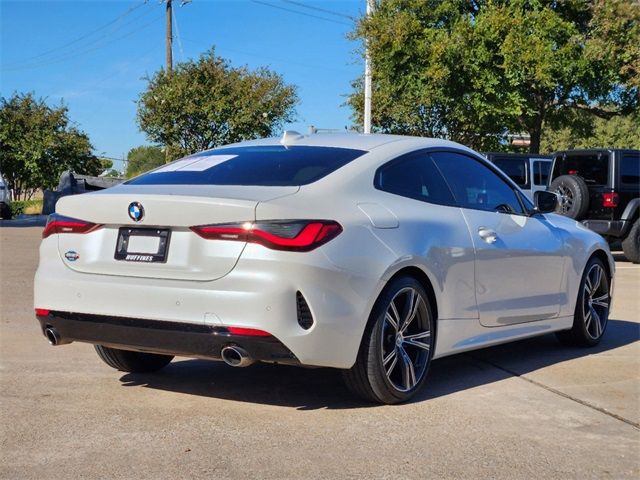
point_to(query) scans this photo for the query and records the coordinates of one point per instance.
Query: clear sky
(94, 55)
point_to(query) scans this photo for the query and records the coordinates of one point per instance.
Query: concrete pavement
(533, 409)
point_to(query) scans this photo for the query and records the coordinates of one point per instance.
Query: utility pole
(169, 37)
(367, 77)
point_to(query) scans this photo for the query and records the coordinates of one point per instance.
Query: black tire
(134, 362)
(574, 196)
(5, 212)
(631, 244)
(587, 329)
(413, 345)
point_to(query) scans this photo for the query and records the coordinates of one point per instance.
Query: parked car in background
(601, 188)
(529, 171)
(5, 199)
(373, 254)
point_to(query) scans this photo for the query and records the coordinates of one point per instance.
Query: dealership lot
(529, 409)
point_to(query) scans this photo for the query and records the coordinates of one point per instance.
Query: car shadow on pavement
(315, 388)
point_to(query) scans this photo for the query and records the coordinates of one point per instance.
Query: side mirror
(545, 202)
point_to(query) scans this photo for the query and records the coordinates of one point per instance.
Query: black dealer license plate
(147, 245)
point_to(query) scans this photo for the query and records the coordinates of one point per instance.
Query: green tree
(143, 158)
(206, 103)
(593, 132)
(38, 143)
(475, 71)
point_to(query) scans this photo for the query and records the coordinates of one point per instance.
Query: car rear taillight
(292, 235)
(610, 200)
(60, 224)
(42, 312)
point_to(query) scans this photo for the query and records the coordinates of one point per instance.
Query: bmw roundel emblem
(136, 211)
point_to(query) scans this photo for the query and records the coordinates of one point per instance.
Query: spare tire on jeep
(574, 196)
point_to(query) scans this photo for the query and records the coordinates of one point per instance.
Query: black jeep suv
(601, 188)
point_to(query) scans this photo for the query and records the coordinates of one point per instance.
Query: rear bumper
(169, 338)
(607, 228)
(260, 293)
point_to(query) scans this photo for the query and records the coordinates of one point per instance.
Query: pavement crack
(557, 392)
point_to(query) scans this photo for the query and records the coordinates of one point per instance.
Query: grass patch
(29, 207)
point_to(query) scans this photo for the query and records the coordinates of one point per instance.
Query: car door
(519, 257)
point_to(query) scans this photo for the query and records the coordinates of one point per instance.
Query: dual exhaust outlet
(231, 354)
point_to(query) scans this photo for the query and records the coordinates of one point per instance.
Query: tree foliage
(206, 103)
(589, 131)
(38, 143)
(475, 71)
(144, 158)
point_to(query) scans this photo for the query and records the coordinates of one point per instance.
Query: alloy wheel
(406, 339)
(566, 198)
(595, 301)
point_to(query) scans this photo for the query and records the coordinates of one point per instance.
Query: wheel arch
(602, 255)
(423, 279)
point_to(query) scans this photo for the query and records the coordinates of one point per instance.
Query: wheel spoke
(411, 310)
(587, 319)
(587, 285)
(597, 279)
(394, 316)
(391, 321)
(415, 340)
(596, 322)
(408, 372)
(390, 361)
(601, 301)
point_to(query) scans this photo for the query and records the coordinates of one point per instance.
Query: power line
(301, 13)
(319, 9)
(73, 55)
(86, 35)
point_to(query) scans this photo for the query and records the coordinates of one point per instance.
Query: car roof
(353, 140)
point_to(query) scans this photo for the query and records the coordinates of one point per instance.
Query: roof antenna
(290, 136)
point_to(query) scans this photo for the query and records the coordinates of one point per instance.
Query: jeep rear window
(515, 168)
(271, 165)
(592, 167)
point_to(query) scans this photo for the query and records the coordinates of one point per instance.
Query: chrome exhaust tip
(236, 356)
(53, 336)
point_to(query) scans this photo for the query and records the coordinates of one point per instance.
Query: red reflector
(573, 172)
(42, 312)
(292, 235)
(249, 332)
(610, 200)
(60, 224)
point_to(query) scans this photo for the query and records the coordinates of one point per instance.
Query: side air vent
(305, 319)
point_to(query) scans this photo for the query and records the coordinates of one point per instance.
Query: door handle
(487, 235)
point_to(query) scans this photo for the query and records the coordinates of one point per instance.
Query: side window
(541, 172)
(515, 168)
(630, 169)
(414, 176)
(475, 185)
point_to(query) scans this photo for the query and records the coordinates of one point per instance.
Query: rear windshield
(593, 167)
(515, 168)
(272, 165)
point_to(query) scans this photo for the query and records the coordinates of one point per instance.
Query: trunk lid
(166, 207)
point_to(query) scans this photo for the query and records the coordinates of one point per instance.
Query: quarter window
(414, 176)
(475, 185)
(541, 172)
(630, 169)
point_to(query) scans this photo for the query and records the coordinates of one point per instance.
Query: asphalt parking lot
(532, 409)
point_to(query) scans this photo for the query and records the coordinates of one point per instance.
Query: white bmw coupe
(374, 254)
